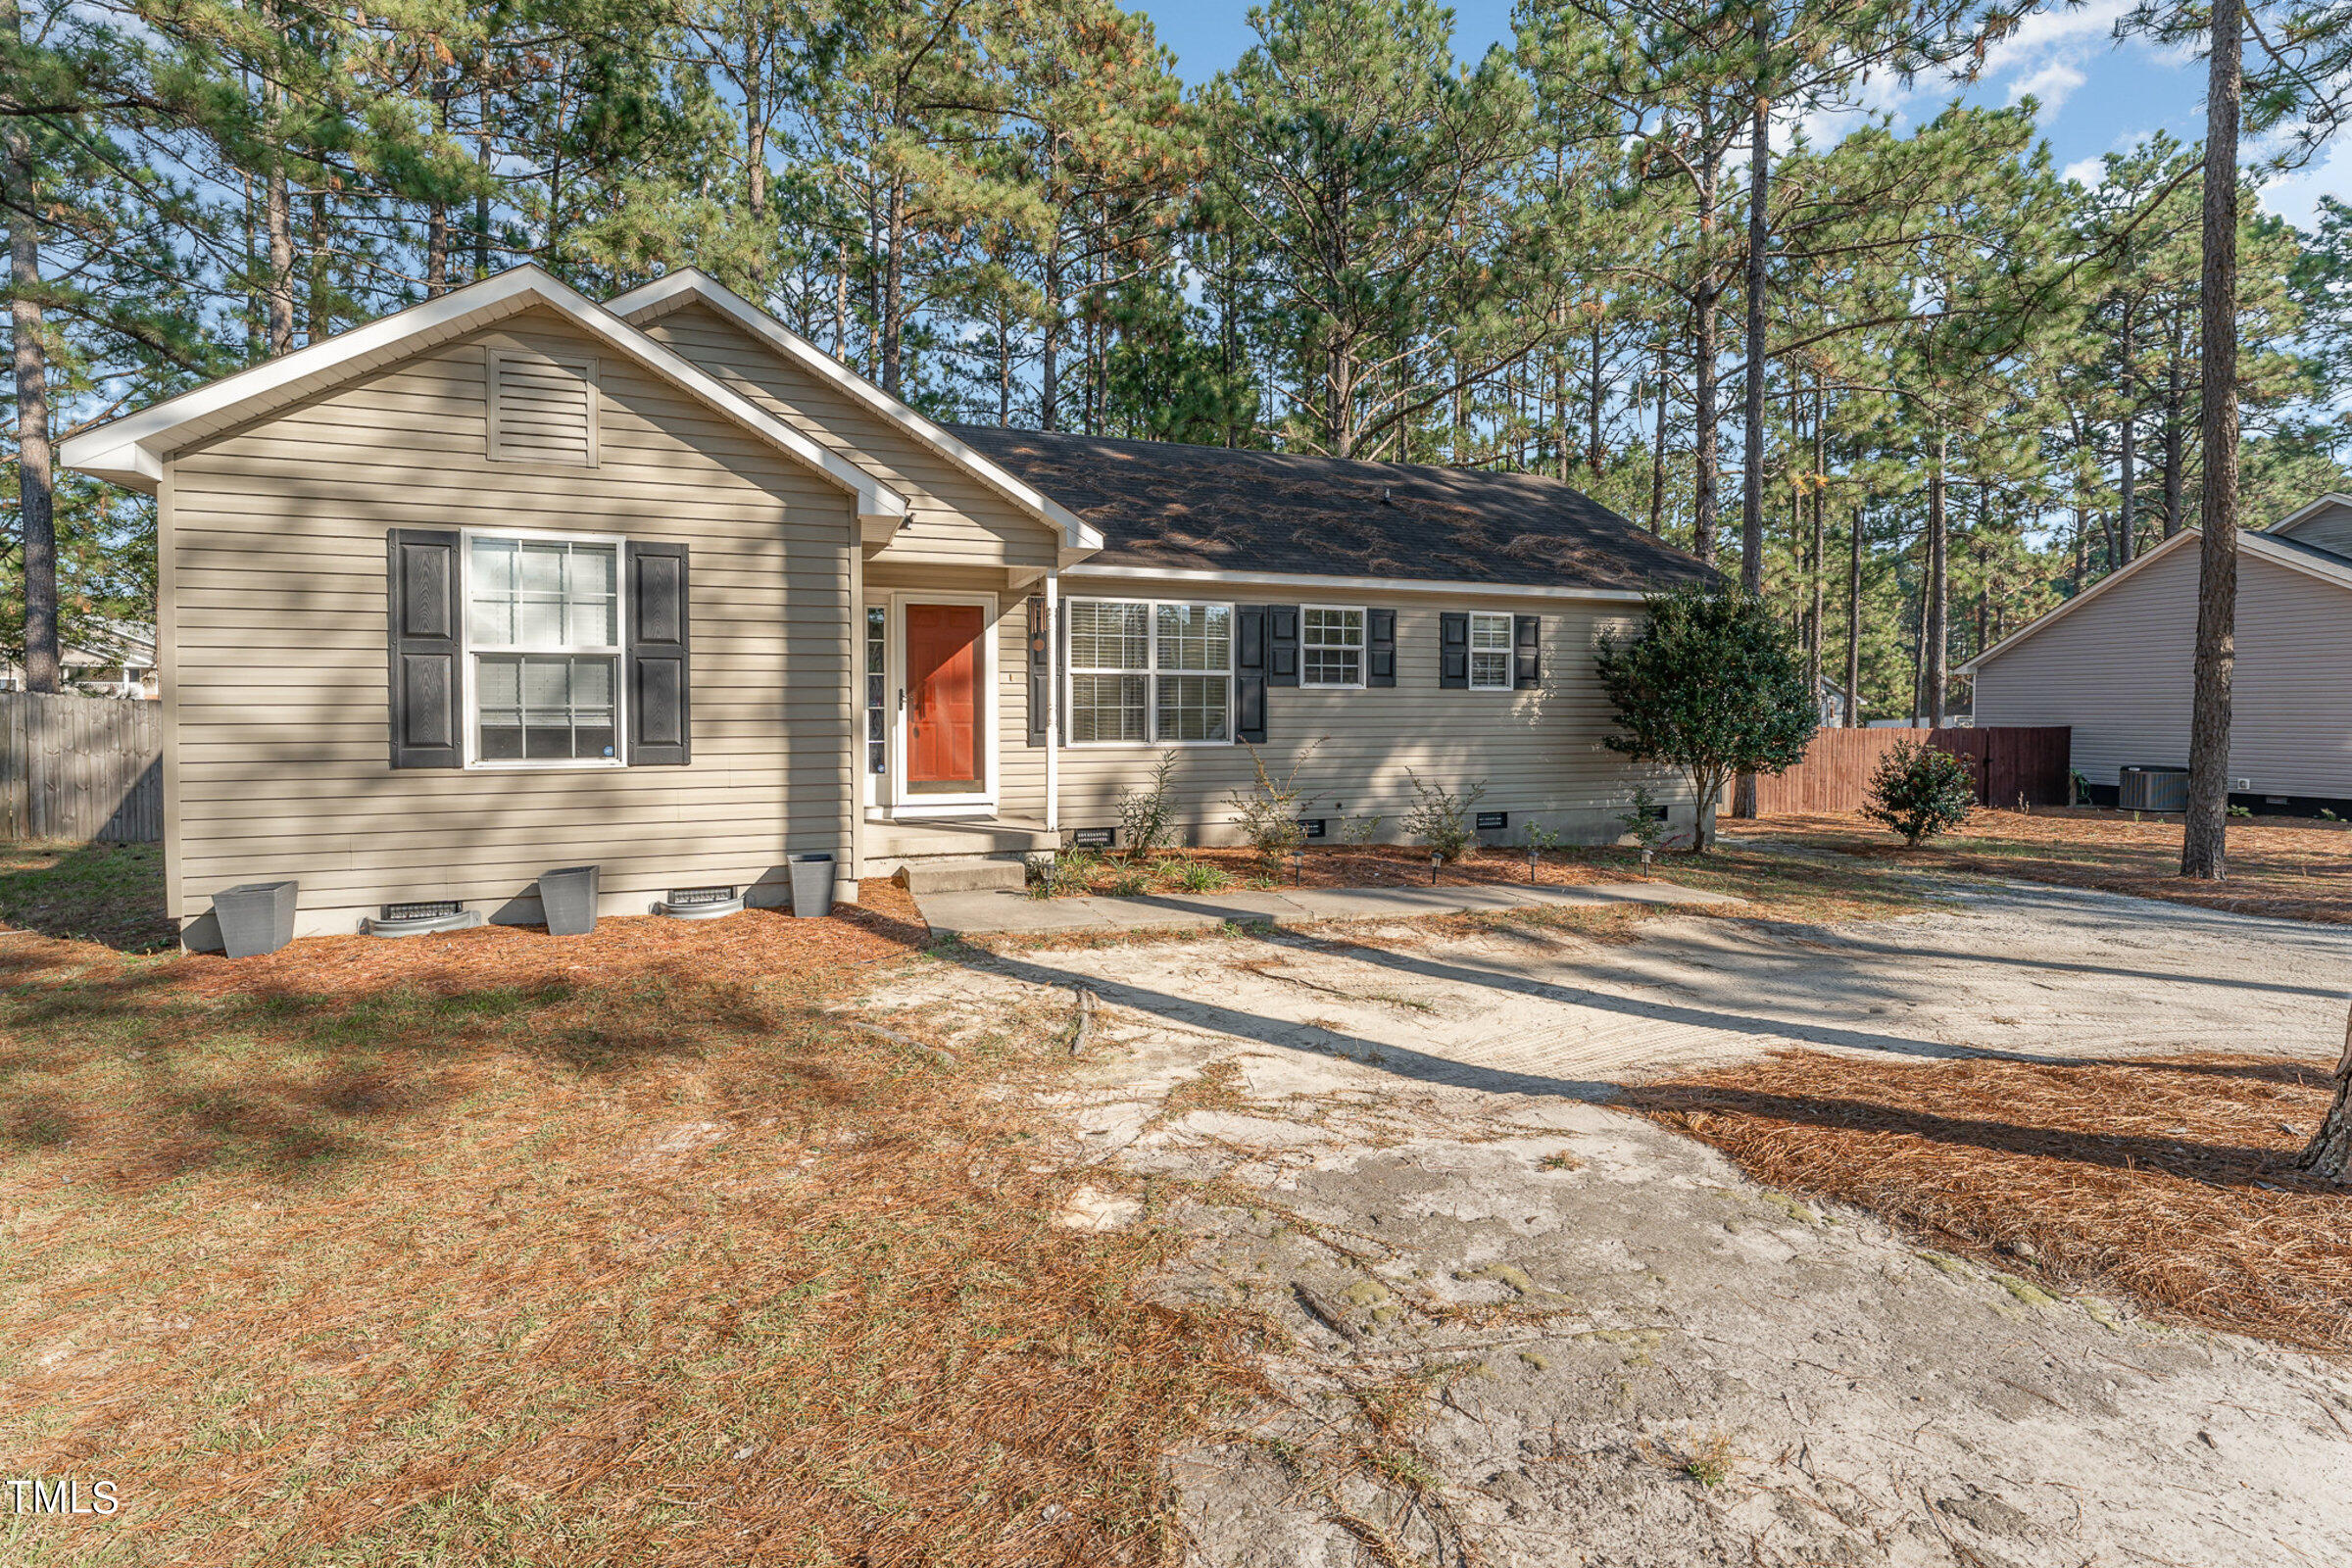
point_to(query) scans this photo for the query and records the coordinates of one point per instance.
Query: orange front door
(942, 696)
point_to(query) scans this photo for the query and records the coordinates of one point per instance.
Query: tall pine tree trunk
(436, 217)
(1820, 479)
(1936, 632)
(2173, 477)
(2204, 836)
(1592, 453)
(2330, 1153)
(2128, 479)
(1705, 344)
(277, 212)
(35, 498)
(1853, 618)
(894, 261)
(1657, 452)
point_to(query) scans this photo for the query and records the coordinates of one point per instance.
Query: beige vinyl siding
(953, 520)
(1539, 752)
(2330, 529)
(274, 576)
(2118, 671)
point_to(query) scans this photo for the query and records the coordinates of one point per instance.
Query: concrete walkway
(1005, 910)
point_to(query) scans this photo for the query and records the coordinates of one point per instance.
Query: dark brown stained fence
(80, 769)
(2009, 761)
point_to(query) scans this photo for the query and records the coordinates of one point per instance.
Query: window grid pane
(1490, 651)
(1107, 708)
(1191, 707)
(1195, 637)
(543, 707)
(539, 593)
(1109, 636)
(877, 675)
(1331, 642)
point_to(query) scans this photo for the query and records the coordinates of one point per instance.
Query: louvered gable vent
(542, 409)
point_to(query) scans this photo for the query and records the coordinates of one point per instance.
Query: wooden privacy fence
(2010, 761)
(80, 769)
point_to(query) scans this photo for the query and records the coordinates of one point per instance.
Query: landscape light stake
(1434, 860)
(1531, 863)
(1299, 866)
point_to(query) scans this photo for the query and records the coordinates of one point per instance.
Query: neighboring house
(512, 580)
(2115, 664)
(117, 658)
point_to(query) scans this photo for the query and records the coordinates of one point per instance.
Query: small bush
(1921, 792)
(1268, 814)
(1440, 817)
(1197, 876)
(1358, 831)
(1645, 823)
(1129, 884)
(1146, 816)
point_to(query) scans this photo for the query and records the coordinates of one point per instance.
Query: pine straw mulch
(2162, 1178)
(495, 1249)
(2289, 869)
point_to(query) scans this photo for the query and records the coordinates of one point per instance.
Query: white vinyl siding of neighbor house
(2117, 670)
(274, 563)
(1538, 751)
(953, 520)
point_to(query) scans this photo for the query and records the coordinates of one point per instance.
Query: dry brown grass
(2291, 869)
(496, 1248)
(2162, 1178)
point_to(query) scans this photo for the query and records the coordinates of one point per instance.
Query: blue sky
(2096, 96)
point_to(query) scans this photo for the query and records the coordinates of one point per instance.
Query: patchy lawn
(2293, 869)
(495, 1247)
(2162, 1178)
(112, 894)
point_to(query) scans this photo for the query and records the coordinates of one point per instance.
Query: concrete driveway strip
(1003, 911)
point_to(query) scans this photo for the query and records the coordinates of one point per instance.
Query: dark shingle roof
(1161, 503)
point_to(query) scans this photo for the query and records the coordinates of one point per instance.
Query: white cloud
(2296, 198)
(2050, 85)
(2086, 170)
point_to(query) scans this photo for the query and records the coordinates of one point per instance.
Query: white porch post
(1053, 700)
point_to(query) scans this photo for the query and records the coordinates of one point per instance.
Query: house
(512, 580)
(2115, 664)
(112, 659)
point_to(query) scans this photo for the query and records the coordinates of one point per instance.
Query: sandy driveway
(1519, 1327)
(2036, 971)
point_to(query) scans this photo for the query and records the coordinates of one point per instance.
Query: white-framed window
(1330, 646)
(543, 650)
(1490, 652)
(1146, 672)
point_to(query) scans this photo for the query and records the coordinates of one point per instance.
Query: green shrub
(1920, 792)
(1645, 823)
(1358, 831)
(1146, 816)
(1268, 813)
(1440, 817)
(1129, 884)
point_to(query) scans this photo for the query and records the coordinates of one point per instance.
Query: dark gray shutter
(1041, 670)
(1061, 637)
(1527, 646)
(1282, 644)
(1453, 650)
(660, 658)
(1380, 648)
(1250, 674)
(420, 568)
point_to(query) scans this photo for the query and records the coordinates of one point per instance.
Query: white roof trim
(2287, 523)
(2261, 547)
(131, 450)
(668, 292)
(1334, 582)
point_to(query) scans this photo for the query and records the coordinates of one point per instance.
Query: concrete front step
(962, 873)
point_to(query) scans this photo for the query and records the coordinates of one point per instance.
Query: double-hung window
(1330, 646)
(543, 631)
(1146, 672)
(1491, 648)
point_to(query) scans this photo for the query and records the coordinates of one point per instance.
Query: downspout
(1054, 699)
